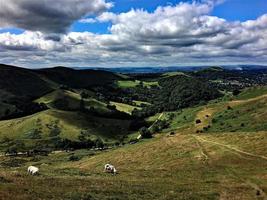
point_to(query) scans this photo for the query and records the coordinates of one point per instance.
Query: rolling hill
(208, 128)
(187, 165)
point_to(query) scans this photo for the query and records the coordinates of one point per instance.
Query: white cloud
(171, 35)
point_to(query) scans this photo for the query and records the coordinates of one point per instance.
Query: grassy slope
(70, 123)
(124, 107)
(251, 93)
(73, 100)
(179, 167)
(186, 166)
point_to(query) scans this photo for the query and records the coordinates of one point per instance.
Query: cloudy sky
(103, 33)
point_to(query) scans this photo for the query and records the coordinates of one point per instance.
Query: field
(129, 84)
(124, 107)
(186, 166)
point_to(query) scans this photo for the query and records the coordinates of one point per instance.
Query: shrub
(74, 158)
(229, 108)
(198, 121)
(172, 133)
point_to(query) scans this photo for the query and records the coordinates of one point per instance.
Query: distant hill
(19, 86)
(78, 78)
(155, 70)
(22, 82)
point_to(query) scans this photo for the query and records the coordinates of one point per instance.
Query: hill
(187, 165)
(78, 78)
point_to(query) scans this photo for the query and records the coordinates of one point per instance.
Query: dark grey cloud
(49, 16)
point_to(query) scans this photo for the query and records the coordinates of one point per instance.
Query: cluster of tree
(157, 127)
(178, 92)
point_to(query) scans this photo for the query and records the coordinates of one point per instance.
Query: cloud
(171, 35)
(49, 16)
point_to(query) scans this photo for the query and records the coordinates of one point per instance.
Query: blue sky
(48, 33)
(231, 10)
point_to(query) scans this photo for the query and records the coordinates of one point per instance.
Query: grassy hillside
(252, 92)
(185, 166)
(41, 128)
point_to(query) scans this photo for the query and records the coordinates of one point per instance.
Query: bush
(74, 158)
(198, 121)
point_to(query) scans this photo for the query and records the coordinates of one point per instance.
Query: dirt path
(203, 152)
(160, 116)
(230, 147)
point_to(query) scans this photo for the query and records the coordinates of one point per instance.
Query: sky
(132, 33)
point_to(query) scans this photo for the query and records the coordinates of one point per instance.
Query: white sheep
(110, 169)
(33, 170)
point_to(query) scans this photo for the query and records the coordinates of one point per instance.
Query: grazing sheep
(33, 170)
(110, 169)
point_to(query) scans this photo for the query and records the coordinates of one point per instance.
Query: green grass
(250, 116)
(124, 107)
(139, 103)
(252, 92)
(70, 123)
(129, 84)
(183, 119)
(73, 100)
(169, 74)
(160, 168)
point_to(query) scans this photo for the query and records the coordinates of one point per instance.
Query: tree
(145, 132)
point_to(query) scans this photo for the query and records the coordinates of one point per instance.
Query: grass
(161, 168)
(124, 107)
(73, 100)
(250, 116)
(252, 93)
(169, 74)
(129, 84)
(70, 123)
(183, 119)
(139, 103)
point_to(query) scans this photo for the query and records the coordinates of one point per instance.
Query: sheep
(110, 169)
(33, 170)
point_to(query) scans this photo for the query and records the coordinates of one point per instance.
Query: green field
(129, 84)
(124, 107)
